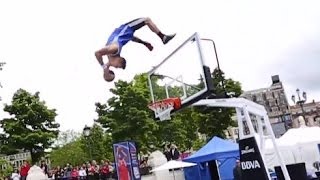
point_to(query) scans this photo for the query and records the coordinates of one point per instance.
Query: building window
(254, 98)
(264, 96)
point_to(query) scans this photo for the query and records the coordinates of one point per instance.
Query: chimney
(275, 79)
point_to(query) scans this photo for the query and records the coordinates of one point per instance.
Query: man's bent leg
(165, 38)
(138, 23)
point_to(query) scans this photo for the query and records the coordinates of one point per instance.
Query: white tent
(301, 135)
(173, 165)
(296, 145)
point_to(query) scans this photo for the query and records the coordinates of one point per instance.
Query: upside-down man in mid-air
(121, 36)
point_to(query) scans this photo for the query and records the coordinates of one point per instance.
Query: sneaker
(167, 38)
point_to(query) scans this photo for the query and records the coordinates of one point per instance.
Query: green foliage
(94, 145)
(5, 172)
(211, 120)
(181, 130)
(31, 127)
(79, 149)
(126, 116)
(198, 144)
(107, 144)
(66, 137)
(72, 153)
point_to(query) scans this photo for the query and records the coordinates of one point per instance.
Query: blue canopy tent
(225, 152)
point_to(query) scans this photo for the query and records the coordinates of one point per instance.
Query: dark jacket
(237, 173)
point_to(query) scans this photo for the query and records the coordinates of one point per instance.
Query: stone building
(275, 101)
(16, 160)
(311, 114)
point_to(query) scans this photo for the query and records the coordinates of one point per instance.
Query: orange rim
(175, 101)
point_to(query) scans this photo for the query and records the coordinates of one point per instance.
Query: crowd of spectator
(105, 170)
(87, 171)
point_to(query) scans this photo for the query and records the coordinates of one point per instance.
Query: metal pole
(218, 64)
(303, 112)
(88, 146)
(90, 153)
(301, 102)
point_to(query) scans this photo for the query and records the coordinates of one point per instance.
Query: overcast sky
(49, 46)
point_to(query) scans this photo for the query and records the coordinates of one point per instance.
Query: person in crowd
(174, 152)
(44, 167)
(24, 170)
(93, 171)
(105, 170)
(237, 171)
(166, 152)
(15, 175)
(83, 172)
(74, 173)
(58, 174)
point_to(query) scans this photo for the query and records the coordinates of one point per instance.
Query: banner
(126, 160)
(252, 166)
(134, 161)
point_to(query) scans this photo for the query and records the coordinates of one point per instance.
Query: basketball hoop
(163, 107)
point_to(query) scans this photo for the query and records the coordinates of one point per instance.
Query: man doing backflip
(121, 36)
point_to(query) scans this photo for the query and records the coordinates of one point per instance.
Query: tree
(31, 127)
(180, 130)
(66, 137)
(126, 116)
(211, 120)
(108, 145)
(71, 152)
(1, 65)
(79, 149)
(95, 143)
(5, 172)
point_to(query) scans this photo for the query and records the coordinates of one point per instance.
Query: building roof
(255, 91)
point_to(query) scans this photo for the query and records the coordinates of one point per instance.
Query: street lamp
(86, 134)
(86, 131)
(300, 101)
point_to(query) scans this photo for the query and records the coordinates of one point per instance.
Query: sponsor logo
(250, 165)
(247, 150)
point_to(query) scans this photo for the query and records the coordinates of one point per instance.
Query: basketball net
(164, 107)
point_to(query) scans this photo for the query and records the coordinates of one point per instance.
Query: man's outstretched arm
(138, 40)
(105, 51)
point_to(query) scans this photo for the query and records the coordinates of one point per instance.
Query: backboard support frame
(243, 108)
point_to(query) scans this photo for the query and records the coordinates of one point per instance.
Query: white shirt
(82, 172)
(15, 176)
